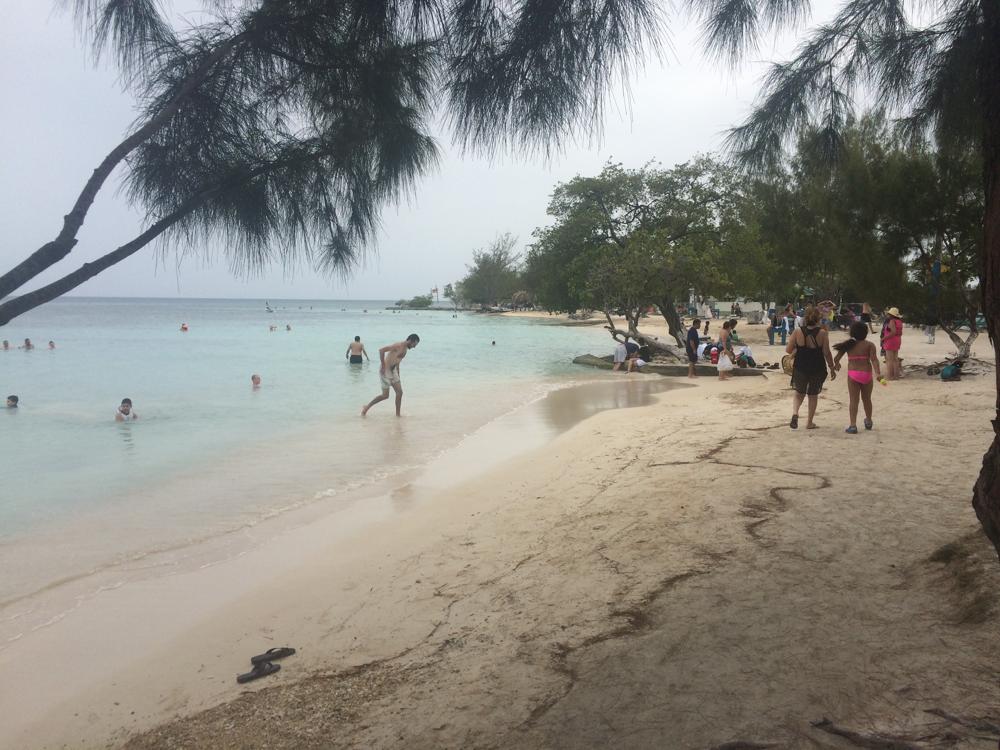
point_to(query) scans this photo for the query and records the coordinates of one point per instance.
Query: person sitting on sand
(389, 358)
(691, 345)
(12, 401)
(811, 347)
(354, 351)
(125, 413)
(255, 381)
(862, 361)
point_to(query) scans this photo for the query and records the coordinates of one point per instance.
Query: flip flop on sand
(259, 670)
(794, 424)
(812, 426)
(868, 424)
(271, 654)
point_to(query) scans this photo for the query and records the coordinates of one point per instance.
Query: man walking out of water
(354, 351)
(389, 358)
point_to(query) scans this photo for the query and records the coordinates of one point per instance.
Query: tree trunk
(674, 325)
(964, 347)
(986, 495)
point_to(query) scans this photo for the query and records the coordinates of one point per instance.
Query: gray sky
(61, 115)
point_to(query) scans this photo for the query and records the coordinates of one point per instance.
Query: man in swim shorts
(389, 358)
(354, 351)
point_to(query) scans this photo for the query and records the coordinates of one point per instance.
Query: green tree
(493, 276)
(629, 239)
(420, 302)
(939, 71)
(280, 128)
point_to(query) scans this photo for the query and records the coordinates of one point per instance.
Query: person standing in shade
(389, 358)
(354, 351)
(691, 344)
(892, 339)
(811, 347)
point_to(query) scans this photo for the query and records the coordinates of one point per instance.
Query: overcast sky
(59, 116)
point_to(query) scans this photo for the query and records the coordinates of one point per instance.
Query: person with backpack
(811, 346)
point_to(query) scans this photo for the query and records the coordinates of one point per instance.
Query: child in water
(862, 364)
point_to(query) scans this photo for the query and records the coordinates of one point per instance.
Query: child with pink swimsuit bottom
(862, 368)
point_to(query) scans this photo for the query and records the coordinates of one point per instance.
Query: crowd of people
(805, 334)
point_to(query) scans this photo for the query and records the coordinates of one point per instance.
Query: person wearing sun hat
(892, 338)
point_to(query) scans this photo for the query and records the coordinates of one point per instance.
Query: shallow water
(209, 456)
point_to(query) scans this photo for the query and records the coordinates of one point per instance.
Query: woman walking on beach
(811, 346)
(892, 339)
(862, 365)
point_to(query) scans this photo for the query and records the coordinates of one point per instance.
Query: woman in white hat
(892, 338)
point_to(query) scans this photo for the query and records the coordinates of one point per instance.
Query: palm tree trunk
(986, 495)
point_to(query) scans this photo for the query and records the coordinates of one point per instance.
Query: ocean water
(209, 455)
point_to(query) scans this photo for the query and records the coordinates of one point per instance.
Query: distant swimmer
(272, 329)
(125, 413)
(389, 359)
(354, 351)
(287, 327)
(184, 327)
(6, 345)
(12, 402)
(52, 345)
(27, 346)
(255, 381)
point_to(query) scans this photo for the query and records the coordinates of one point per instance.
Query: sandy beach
(681, 572)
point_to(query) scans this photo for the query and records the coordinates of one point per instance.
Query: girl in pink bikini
(862, 370)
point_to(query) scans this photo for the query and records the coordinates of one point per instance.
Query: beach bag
(725, 363)
(951, 372)
(787, 363)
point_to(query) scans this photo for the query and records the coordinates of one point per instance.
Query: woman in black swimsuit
(811, 347)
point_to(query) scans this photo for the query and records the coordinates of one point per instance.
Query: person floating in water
(354, 351)
(389, 359)
(125, 413)
(27, 346)
(255, 381)
(288, 327)
(184, 327)
(12, 401)
(6, 345)
(52, 345)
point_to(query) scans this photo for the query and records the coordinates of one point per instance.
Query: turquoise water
(209, 454)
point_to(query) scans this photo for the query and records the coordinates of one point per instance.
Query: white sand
(676, 575)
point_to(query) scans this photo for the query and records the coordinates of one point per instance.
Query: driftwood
(607, 363)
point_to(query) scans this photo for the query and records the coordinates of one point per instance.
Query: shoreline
(685, 573)
(220, 581)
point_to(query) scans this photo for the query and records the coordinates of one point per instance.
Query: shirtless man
(354, 351)
(389, 358)
(125, 413)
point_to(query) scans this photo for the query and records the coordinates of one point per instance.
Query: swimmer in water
(389, 358)
(27, 346)
(184, 327)
(12, 402)
(52, 345)
(255, 381)
(125, 413)
(354, 351)
(6, 345)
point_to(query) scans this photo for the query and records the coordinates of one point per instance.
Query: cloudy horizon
(63, 115)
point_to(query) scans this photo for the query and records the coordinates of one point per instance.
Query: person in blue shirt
(693, 340)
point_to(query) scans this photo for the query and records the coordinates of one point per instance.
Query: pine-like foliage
(291, 123)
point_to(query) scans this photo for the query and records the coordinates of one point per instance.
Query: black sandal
(271, 654)
(794, 424)
(259, 670)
